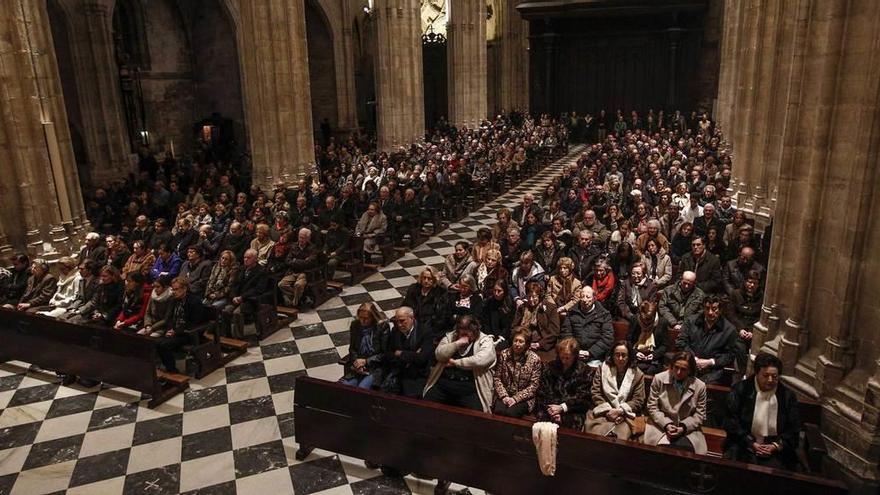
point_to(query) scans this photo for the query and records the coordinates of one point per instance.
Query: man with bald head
(408, 359)
(736, 271)
(590, 323)
(680, 301)
(590, 222)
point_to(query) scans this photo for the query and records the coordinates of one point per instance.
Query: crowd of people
(639, 234)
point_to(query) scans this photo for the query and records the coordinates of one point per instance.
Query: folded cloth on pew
(544, 438)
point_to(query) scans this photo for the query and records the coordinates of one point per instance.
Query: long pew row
(497, 453)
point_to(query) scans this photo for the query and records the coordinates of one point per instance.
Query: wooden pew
(119, 358)
(497, 454)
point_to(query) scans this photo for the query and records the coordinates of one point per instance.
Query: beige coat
(563, 293)
(666, 406)
(480, 363)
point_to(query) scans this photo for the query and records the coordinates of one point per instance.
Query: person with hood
(590, 324)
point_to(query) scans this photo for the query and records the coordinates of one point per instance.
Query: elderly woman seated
(466, 300)
(564, 393)
(677, 406)
(563, 288)
(618, 394)
(541, 318)
(368, 341)
(517, 377)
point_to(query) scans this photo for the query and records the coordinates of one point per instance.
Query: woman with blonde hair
(368, 341)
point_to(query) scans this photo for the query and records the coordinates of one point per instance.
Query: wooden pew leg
(303, 452)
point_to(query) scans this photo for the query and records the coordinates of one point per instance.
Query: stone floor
(232, 431)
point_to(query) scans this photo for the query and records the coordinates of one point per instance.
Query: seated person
(105, 303)
(547, 251)
(167, 263)
(517, 377)
(196, 270)
(336, 244)
(564, 394)
(490, 271)
(658, 264)
(368, 337)
(736, 271)
(463, 374)
(246, 292)
(648, 339)
(743, 310)
(135, 299)
(429, 303)
(512, 248)
(504, 225)
(370, 227)
(706, 265)
(498, 313)
(633, 291)
(262, 243)
(467, 301)
(40, 288)
(303, 256)
(563, 289)
(618, 394)
(526, 272)
(408, 356)
(221, 280)
(157, 308)
(185, 312)
(590, 324)
(762, 422)
(542, 319)
(680, 301)
(13, 286)
(711, 339)
(676, 406)
(141, 260)
(603, 282)
(457, 264)
(67, 290)
(483, 245)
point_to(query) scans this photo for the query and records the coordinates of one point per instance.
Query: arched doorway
(322, 70)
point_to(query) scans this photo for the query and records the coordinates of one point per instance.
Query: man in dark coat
(706, 265)
(711, 339)
(736, 271)
(185, 312)
(14, 286)
(246, 292)
(590, 324)
(408, 358)
(633, 291)
(752, 436)
(196, 270)
(584, 255)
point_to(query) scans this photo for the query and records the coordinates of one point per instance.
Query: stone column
(513, 43)
(97, 80)
(466, 62)
(744, 97)
(40, 185)
(346, 93)
(275, 79)
(400, 91)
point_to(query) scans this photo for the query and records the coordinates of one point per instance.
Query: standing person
(677, 406)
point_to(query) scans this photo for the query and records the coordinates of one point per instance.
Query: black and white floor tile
(232, 432)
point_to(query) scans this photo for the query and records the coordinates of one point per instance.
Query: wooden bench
(112, 356)
(497, 454)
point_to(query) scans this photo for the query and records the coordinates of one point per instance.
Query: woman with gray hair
(66, 291)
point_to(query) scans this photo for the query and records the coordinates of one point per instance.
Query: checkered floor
(232, 432)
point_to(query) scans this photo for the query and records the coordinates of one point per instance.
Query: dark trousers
(166, 348)
(412, 387)
(517, 410)
(739, 453)
(682, 443)
(461, 393)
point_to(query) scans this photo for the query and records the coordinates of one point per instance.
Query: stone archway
(322, 68)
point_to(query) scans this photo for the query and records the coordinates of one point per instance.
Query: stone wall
(322, 68)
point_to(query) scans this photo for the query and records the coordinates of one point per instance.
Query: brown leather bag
(637, 425)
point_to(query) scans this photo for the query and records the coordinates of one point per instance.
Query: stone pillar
(466, 62)
(40, 185)
(96, 72)
(814, 120)
(513, 43)
(275, 79)
(346, 92)
(400, 91)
